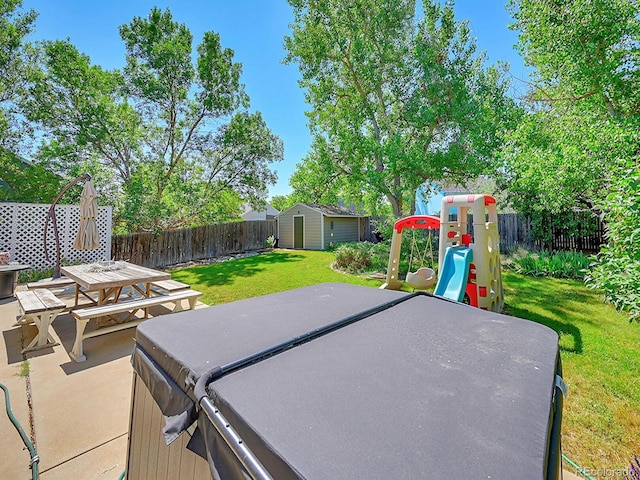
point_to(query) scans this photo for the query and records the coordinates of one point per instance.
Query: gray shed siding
(285, 231)
(312, 227)
(344, 230)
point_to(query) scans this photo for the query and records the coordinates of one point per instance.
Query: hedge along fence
(171, 247)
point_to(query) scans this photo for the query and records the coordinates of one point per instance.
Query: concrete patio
(77, 414)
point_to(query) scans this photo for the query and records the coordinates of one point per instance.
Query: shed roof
(329, 210)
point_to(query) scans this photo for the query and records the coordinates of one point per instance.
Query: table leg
(147, 294)
(77, 352)
(43, 338)
(106, 296)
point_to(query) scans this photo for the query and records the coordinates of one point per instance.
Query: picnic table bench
(84, 315)
(41, 307)
(159, 287)
(61, 286)
(52, 283)
(169, 286)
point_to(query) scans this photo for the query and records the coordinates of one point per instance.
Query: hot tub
(339, 381)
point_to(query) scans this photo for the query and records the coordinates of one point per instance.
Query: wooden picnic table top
(128, 274)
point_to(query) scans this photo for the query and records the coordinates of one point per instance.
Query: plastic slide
(452, 278)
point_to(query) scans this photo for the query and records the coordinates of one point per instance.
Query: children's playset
(469, 268)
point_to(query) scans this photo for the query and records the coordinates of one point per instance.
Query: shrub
(572, 265)
(380, 256)
(270, 242)
(616, 268)
(361, 257)
(27, 276)
(353, 257)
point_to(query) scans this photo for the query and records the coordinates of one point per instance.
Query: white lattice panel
(22, 234)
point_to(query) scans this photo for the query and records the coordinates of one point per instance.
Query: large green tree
(583, 102)
(15, 25)
(20, 180)
(579, 145)
(397, 99)
(171, 136)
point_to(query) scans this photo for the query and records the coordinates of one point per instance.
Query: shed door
(298, 232)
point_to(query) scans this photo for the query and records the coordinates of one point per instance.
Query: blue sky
(254, 29)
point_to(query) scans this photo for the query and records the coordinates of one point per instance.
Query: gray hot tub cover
(425, 388)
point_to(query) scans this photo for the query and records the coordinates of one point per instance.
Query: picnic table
(108, 279)
(109, 282)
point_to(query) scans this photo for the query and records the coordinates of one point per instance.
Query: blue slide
(454, 272)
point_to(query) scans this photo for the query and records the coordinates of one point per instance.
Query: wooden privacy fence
(517, 231)
(171, 247)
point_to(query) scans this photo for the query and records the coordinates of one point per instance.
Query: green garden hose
(32, 451)
(579, 469)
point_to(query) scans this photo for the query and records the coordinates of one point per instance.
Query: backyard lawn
(600, 349)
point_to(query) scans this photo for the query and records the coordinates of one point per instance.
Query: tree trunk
(396, 204)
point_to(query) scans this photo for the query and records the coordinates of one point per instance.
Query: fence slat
(192, 244)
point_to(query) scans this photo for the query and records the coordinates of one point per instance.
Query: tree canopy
(170, 140)
(396, 100)
(15, 25)
(582, 108)
(578, 145)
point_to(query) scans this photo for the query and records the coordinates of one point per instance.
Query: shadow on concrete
(13, 342)
(7, 300)
(100, 349)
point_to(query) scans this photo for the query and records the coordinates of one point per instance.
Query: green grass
(600, 354)
(24, 369)
(600, 349)
(271, 272)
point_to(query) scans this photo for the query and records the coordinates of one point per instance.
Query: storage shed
(315, 227)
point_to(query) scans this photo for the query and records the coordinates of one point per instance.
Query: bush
(27, 276)
(270, 242)
(616, 268)
(571, 265)
(362, 257)
(353, 257)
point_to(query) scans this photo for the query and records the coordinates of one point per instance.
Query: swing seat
(422, 278)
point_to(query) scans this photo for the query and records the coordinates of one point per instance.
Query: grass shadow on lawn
(563, 329)
(558, 304)
(266, 273)
(600, 362)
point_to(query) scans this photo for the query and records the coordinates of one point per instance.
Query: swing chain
(423, 255)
